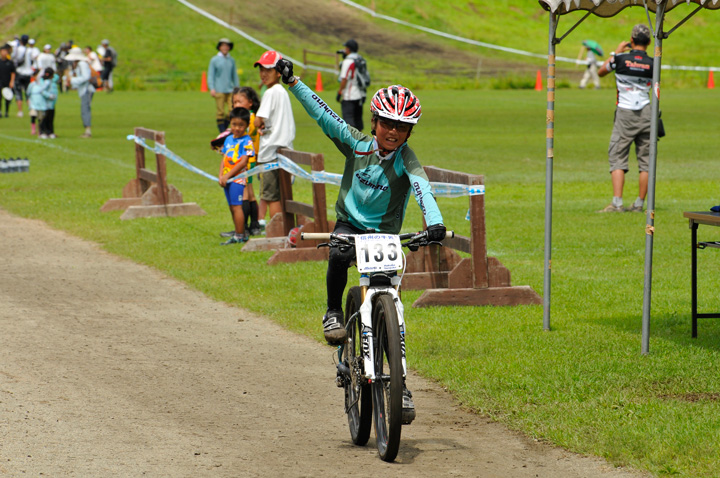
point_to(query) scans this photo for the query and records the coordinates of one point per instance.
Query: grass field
(584, 386)
(162, 44)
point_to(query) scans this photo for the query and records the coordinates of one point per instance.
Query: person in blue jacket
(222, 78)
(381, 171)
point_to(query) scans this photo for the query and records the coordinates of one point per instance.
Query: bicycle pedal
(408, 415)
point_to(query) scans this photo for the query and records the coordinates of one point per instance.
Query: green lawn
(584, 386)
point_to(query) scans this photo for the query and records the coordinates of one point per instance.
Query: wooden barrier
(312, 217)
(149, 194)
(449, 279)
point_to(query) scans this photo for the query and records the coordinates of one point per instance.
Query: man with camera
(350, 95)
(633, 76)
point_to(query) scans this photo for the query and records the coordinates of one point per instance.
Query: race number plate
(378, 253)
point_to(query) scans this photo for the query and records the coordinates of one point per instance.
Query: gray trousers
(85, 112)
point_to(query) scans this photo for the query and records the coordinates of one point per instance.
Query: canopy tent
(609, 8)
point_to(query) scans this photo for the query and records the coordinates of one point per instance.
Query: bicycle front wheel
(388, 385)
(358, 400)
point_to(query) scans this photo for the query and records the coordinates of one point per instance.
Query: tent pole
(650, 213)
(549, 143)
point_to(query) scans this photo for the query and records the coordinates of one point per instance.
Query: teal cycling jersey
(374, 191)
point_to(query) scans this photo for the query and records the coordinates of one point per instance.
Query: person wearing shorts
(236, 150)
(275, 122)
(633, 76)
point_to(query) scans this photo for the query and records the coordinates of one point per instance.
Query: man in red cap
(274, 120)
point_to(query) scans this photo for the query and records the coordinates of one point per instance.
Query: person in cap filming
(633, 75)
(80, 81)
(222, 78)
(350, 95)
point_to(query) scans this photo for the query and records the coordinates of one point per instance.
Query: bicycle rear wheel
(388, 385)
(358, 399)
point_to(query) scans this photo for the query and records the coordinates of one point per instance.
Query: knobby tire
(387, 388)
(358, 398)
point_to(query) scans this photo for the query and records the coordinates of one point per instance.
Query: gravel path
(110, 368)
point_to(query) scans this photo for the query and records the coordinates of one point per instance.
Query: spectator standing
(80, 81)
(109, 61)
(50, 90)
(222, 78)
(36, 102)
(46, 59)
(22, 57)
(237, 149)
(7, 76)
(62, 65)
(93, 59)
(591, 72)
(633, 75)
(275, 122)
(350, 95)
(34, 51)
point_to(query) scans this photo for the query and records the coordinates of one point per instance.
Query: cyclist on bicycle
(380, 172)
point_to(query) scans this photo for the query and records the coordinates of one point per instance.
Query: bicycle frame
(368, 345)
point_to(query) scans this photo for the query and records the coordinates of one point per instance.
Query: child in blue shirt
(236, 150)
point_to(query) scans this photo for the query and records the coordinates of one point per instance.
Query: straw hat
(76, 54)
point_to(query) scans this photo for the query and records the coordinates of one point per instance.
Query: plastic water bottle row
(14, 165)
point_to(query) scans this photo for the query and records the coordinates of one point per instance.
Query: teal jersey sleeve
(420, 186)
(346, 139)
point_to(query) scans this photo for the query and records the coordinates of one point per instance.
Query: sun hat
(269, 59)
(76, 54)
(105, 42)
(7, 94)
(224, 40)
(31, 41)
(47, 47)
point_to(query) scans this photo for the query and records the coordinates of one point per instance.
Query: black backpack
(361, 74)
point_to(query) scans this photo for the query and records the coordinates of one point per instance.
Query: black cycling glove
(436, 233)
(285, 68)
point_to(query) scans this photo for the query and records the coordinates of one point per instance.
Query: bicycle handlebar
(326, 236)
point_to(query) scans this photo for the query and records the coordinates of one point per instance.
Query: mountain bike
(371, 364)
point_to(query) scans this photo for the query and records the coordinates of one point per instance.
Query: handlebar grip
(449, 234)
(315, 236)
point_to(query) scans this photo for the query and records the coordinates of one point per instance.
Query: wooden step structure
(149, 194)
(312, 217)
(449, 279)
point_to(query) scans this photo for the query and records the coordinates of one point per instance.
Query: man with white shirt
(46, 59)
(350, 95)
(22, 57)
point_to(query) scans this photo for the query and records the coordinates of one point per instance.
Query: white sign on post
(378, 253)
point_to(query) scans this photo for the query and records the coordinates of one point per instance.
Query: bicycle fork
(368, 349)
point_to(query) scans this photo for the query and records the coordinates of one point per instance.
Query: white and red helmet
(396, 103)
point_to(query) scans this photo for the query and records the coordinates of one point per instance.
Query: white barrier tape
(446, 190)
(449, 190)
(162, 149)
(502, 48)
(215, 19)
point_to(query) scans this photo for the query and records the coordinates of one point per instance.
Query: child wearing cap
(274, 120)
